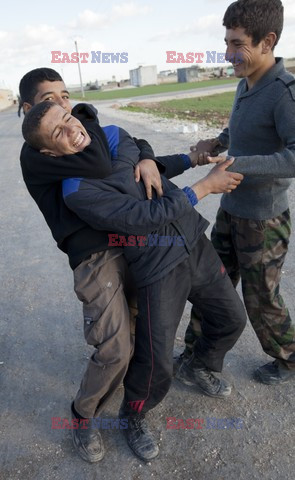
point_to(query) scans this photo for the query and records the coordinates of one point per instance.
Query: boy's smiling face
(250, 61)
(246, 58)
(62, 133)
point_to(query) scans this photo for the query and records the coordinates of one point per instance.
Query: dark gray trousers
(202, 280)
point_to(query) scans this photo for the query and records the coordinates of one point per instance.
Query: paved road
(43, 355)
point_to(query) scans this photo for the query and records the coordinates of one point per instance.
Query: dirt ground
(43, 355)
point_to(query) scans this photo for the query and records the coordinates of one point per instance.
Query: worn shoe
(138, 436)
(177, 360)
(87, 441)
(274, 373)
(194, 372)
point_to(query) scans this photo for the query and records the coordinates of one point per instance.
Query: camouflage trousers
(254, 251)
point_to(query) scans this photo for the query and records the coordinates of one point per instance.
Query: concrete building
(190, 74)
(6, 98)
(144, 75)
(167, 76)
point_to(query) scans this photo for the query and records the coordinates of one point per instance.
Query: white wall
(6, 99)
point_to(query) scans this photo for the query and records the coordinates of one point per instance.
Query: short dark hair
(257, 17)
(28, 86)
(32, 121)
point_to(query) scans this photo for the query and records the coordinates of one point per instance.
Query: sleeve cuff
(192, 197)
(223, 139)
(186, 160)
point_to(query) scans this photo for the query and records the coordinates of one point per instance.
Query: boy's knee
(115, 352)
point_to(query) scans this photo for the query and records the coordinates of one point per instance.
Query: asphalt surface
(43, 355)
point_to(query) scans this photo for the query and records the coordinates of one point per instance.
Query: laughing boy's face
(62, 133)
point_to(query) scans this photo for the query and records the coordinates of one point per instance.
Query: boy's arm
(173, 165)
(112, 210)
(105, 208)
(149, 167)
(176, 164)
(211, 147)
(146, 151)
(168, 165)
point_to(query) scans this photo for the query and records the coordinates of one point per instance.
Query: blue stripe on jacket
(70, 185)
(113, 138)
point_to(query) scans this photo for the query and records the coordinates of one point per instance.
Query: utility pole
(80, 75)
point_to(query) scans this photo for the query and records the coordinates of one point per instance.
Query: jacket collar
(267, 78)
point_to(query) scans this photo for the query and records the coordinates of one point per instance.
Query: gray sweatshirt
(261, 137)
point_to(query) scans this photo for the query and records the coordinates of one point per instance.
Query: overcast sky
(145, 29)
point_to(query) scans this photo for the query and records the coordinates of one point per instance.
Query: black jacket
(43, 174)
(170, 225)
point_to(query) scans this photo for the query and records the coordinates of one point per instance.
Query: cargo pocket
(102, 313)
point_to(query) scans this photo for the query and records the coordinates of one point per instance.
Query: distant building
(75, 87)
(166, 73)
(190, 74)
(167, 76)
(6, 98)
(290, 64)
(144, 75)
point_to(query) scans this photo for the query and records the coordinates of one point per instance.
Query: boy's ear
(26, 107)
(47, 152)
(268, 42)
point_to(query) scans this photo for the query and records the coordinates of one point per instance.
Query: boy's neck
(258, 74)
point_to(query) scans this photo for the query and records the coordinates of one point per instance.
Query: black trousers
(202, 280)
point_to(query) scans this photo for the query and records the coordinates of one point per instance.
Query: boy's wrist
(201, 188)
(191, 195)
(187, 160)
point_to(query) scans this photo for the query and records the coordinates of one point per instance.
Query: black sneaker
(177, 360)
(87, 441)
(194, 373)
(138, 436)
(274, 373)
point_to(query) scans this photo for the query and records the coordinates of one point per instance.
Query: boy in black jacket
(182, 266)
(101, 277)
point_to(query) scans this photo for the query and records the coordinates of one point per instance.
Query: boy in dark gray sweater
(252, 229)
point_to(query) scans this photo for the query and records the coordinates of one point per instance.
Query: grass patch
(213, 109)
(149, 90)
